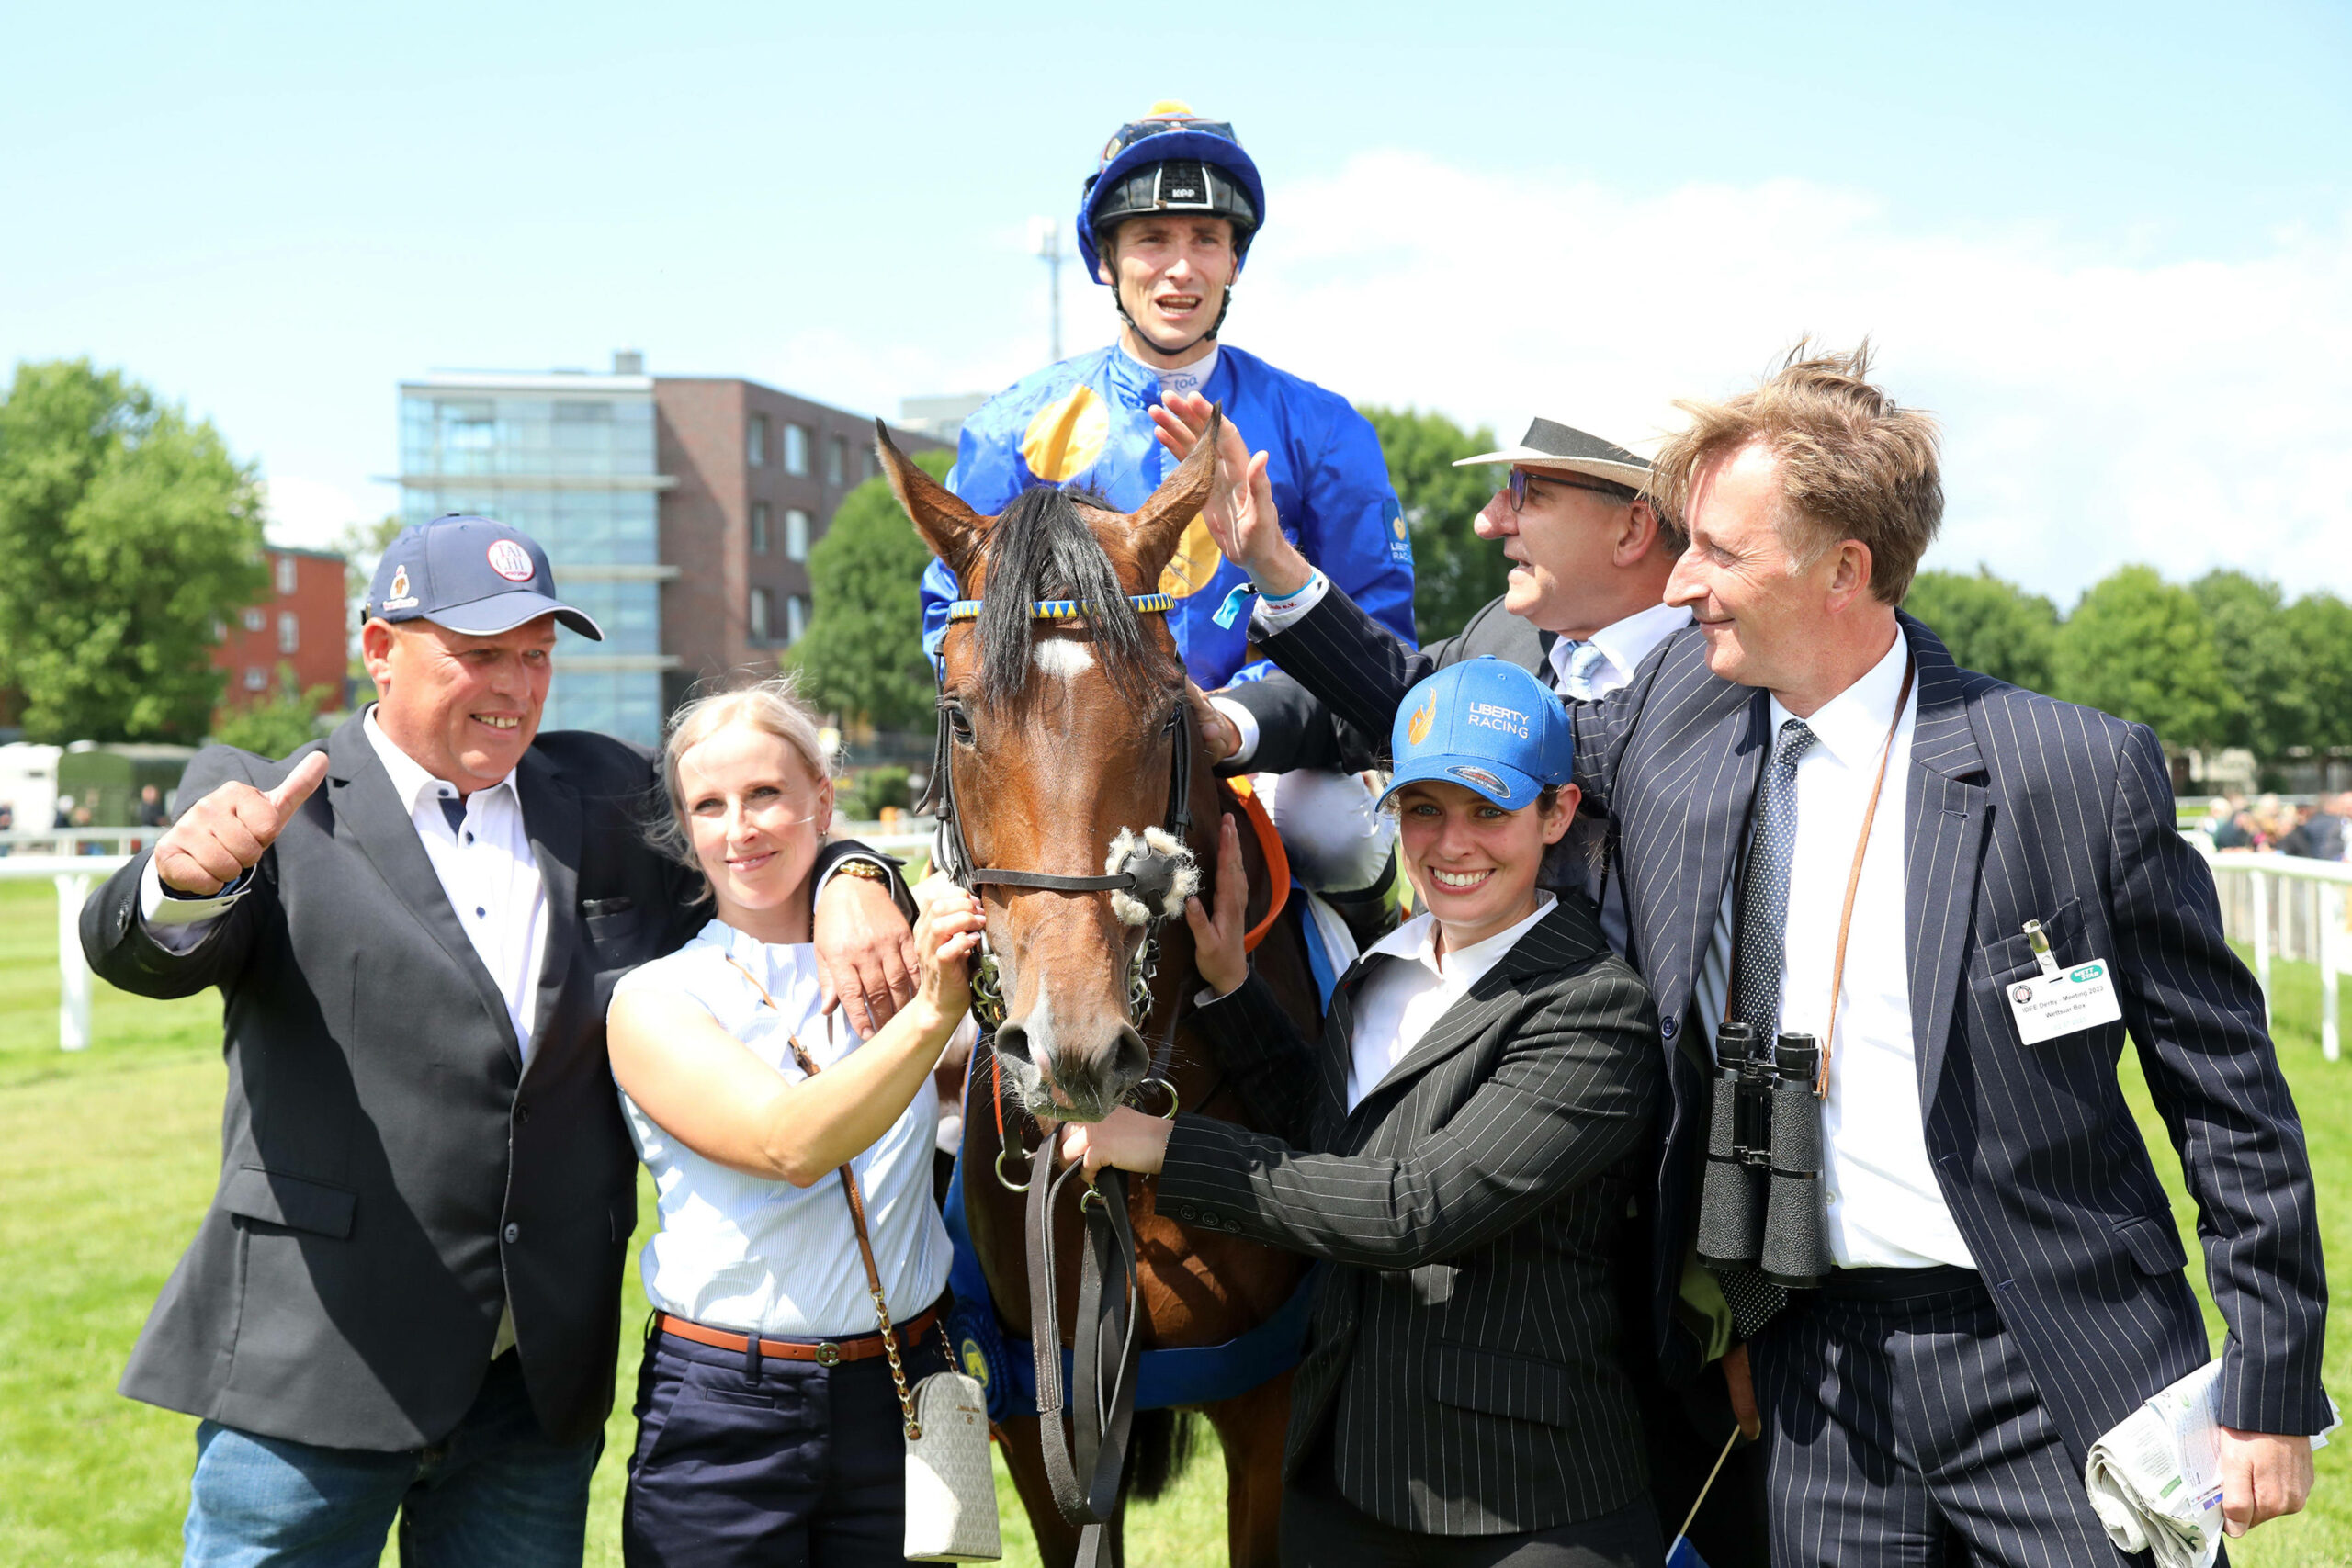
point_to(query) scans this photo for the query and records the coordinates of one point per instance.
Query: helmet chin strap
(1209, 336)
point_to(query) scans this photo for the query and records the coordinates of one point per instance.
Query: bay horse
(1060, 703)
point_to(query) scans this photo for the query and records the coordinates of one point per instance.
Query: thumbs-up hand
(218, 838)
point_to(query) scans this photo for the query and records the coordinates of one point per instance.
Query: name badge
(2061, 1001)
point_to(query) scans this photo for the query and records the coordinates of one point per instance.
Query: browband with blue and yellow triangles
(1064, 609)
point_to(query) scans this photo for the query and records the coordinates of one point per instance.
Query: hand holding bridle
(222, 836)
(1217, 952)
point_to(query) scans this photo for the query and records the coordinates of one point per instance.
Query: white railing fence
(2285, 907)
(2279, 905)
(76, 874)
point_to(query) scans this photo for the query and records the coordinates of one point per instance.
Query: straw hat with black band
(1550, 445)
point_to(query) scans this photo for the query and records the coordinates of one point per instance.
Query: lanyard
(1853, 884)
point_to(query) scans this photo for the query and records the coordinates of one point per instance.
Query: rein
(1104, 1356)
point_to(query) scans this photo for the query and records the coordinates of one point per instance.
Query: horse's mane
(1041, 548)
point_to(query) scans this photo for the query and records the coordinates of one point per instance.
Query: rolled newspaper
(2155, 1478)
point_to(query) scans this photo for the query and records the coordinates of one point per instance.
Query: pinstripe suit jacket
(1464, 1358)
(2021, 807)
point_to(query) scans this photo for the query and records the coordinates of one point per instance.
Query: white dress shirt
(1399, 1002)
(757, 1256)
(1622, 644)
(1884, 1208)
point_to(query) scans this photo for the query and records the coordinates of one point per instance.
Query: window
(796, 617)
(289, 631)
(255, 619)
(836, 460)
(795, 534)
(286, 574)
(873, 466)
(761, 618)
(795, 448)
(755, 441)
(256, 678)
(219, 631)
(759, 527)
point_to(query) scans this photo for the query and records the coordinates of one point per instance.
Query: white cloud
(2097, 410)
(307, 513)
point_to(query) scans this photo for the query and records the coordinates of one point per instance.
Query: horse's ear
(1159, 522)
(951, 528)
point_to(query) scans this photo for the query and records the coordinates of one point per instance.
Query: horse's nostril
(1013, 1042)
(1130, 1062)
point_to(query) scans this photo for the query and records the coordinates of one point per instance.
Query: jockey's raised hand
(1240, 513)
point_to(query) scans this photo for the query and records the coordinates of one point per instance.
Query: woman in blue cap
(1461, 1147)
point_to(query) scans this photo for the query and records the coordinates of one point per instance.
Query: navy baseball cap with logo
(1488, 726)
(474, 575)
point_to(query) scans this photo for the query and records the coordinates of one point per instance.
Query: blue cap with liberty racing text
(474, 575)
(1487, 725)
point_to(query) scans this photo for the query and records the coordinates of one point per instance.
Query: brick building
(297, 625)
(678, 510)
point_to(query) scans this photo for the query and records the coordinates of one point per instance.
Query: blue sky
(2112, 246)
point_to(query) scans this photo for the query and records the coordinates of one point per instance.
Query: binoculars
(1760, 1203)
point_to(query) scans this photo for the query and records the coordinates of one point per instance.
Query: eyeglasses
(1520, 479)
(1136, 131)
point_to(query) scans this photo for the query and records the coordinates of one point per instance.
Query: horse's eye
(957, 725)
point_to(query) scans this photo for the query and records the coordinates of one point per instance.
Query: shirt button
(514, 1233)
(480, 913)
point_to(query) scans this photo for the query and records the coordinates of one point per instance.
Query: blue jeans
(495, 1491)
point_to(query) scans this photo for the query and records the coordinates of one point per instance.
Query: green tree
(1454, 572)
(2318, 627)
(276, 724)
(1989, 624)
(2141, 648)
(2259, 659)
(127, 534)
(862, 655)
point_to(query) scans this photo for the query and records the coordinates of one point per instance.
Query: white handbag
(951, 1488)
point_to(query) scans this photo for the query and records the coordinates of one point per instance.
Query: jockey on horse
(1167, 221)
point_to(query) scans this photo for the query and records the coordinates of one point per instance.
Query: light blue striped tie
(1583, 659)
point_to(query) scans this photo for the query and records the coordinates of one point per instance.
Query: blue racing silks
(1086, 423)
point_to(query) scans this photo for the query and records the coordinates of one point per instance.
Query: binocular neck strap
(1854, 877)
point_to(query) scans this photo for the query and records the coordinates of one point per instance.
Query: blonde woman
(768, 1425)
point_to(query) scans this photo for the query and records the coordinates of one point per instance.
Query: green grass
(108, 1158)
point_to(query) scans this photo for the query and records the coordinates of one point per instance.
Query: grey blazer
(1463, 1360)
(391, 1170)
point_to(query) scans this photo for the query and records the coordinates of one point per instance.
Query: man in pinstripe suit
(2008, 1280)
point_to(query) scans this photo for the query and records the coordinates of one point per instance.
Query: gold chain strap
(857, 1219)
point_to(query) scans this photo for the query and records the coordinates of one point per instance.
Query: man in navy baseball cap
(474, 575)
(1485, 725)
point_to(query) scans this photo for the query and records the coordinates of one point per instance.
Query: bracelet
(864, 870)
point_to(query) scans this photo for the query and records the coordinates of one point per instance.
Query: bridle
(1104, 1357)
(1148, 873)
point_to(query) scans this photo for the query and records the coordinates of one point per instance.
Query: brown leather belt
(824, 1352)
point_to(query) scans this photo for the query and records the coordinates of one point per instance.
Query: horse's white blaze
(1064, 657)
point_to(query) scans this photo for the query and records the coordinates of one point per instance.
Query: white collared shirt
(1182, 378)
(1401, 1001)
(487, 871)
(1622, 644)
(740, 1252)
(1884, 1207)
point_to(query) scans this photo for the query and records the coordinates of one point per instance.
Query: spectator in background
(2320, 835)
(7, 824)
(151, 808)
(2225, 822)
(64, 812)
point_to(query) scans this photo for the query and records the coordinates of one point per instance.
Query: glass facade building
(568, 459)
